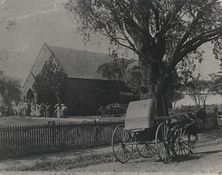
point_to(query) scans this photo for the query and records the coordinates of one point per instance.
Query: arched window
(30, 95)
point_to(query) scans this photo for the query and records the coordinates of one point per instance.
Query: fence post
(96, 132)
(53, 134)
(215, 114)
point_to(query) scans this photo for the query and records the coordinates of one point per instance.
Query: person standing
(24, 108)
(43, 109)
(47, 110)
(51, 111)
(58, 110)
(64, 110)
(14, 108)
(37, 110)
(20, 104)
(28, 112)
(32, 109)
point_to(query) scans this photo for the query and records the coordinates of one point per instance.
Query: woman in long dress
(33, 110)
(48, 108)
(37, 110)
(58, 110)
(63, 110)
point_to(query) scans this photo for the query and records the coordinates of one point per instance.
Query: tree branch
(120, 43)
(193, 44)
(129, 21)
(157, 17)
(170, 16)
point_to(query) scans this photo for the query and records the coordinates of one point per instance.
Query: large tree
(162, 33)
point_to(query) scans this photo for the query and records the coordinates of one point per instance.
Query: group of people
(20, 109)
(39, 110)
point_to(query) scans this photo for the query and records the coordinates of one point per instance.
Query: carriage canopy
(140, 114)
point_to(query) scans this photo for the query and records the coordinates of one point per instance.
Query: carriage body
(139, 129)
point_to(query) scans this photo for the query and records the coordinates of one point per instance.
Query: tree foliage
(117, 69)
(162, 33)
(173, 27)
(9, 89)
(50, 81)
(125, 70)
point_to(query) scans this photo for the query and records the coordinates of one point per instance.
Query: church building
(86, 89)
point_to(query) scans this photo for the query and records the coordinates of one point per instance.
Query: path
(204, 160)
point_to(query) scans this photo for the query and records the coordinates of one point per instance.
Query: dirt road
(204, 160)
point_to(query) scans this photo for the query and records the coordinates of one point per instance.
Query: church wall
(84, 97)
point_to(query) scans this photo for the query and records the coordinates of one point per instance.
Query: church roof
(80, 63)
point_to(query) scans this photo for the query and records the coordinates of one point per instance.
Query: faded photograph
(110, 86)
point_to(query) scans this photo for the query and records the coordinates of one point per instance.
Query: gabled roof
(76, 63)
(80, 63)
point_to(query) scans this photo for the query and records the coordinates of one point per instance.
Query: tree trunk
(155, 87)
(162, 104)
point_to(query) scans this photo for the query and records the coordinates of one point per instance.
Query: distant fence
(30, 139)
(209, 108)
(210, 122)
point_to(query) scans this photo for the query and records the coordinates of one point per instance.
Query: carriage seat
(140, 115)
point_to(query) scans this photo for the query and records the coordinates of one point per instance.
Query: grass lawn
(11, 120)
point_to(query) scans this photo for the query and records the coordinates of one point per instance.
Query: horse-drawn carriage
(149, 134)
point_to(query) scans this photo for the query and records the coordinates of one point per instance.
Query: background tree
(125, 70)
(216, 84)
(162, 33)
(49, 83)
(199, 90)
(9, 91)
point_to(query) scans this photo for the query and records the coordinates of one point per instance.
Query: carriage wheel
(146, 150)
(180, 144)
(122, 144)
(162, 140)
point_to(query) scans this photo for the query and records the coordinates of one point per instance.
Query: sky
(26, 24)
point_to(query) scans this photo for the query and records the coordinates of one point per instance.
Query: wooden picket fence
(31, 139)
(41, 138)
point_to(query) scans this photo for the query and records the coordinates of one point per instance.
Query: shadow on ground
(193, 156)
